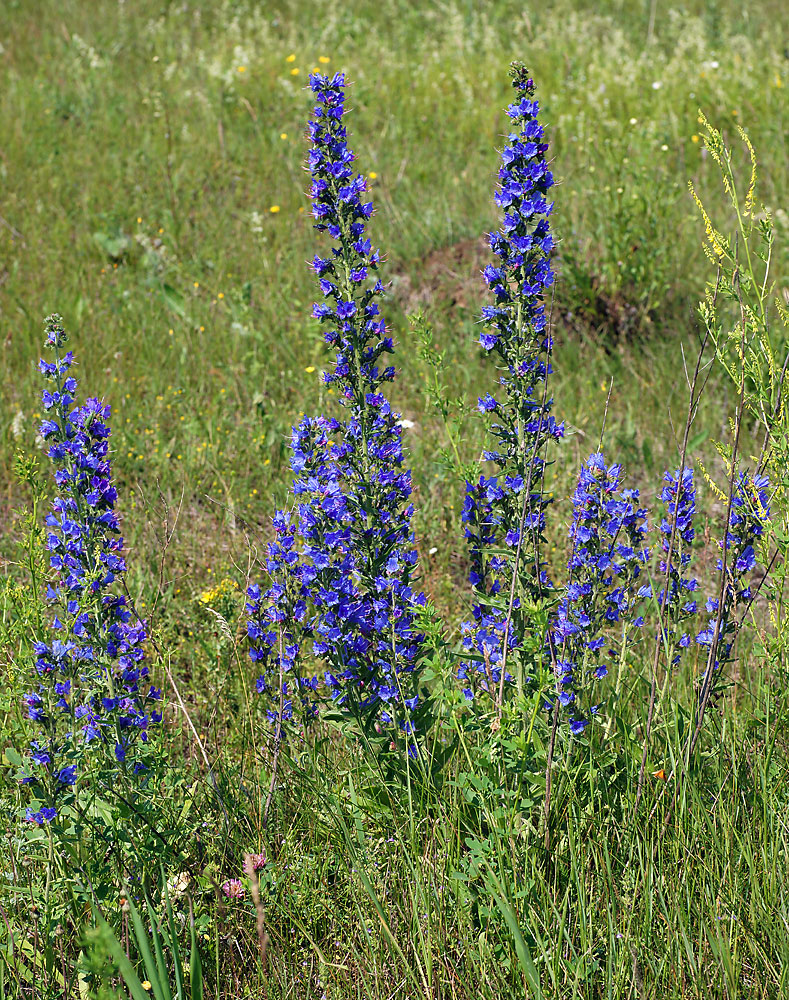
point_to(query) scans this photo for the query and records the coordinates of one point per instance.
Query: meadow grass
(153, 193)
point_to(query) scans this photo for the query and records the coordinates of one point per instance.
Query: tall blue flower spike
(608, 552)
(750, 512)
(504, 513)
(675, 596)
(343, 563)
(92, 678)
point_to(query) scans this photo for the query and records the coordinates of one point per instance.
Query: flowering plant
(608, 552)
(504, 514)
(344, 556)
(92, 695)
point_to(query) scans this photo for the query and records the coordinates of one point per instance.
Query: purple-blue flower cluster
(504, 514)
(677, 532)
(750, 512)
(92, 680)
(607, 535)
(345, 556)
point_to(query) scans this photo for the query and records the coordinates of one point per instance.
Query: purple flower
(92, 669)
(750, 512)
(509, 508)
(608, 551)
(233, 888)
(343, 556)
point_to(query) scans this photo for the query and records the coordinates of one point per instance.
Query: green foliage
(158, 948)
(748, 322)
(144, 153)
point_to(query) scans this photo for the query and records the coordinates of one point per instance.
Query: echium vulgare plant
(92, 698)
(344, 559)
(675, 588)
(504, 514)
(595, 618)
(749, 514)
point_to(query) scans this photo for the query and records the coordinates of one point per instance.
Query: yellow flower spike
(694, 139)
(750, 196)
(295, 71)
(310, 369)
(713, 236)
(372, 175)
(712, 485)
(291, 57)
(283, 135)
(274, 209)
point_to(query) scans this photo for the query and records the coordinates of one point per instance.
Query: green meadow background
(152, 191)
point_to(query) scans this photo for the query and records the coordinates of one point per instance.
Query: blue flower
(343, 557)
(509, 509)
(91, 674)
(750, 512)
(608, 552)
(677, 532)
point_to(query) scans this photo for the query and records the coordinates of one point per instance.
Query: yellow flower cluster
(224, 587)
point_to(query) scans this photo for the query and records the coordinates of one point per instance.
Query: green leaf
(160, 991)
(164, 978)
(177, 965)
(527, 965)
(195, 968)
(173, 299)
(123, 964)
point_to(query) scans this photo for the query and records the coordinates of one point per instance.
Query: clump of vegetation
(568, 779)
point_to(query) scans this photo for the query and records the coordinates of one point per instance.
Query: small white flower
(432, 552)
(18, 425)
(634, 121)
(657, 85)
(406, 424)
